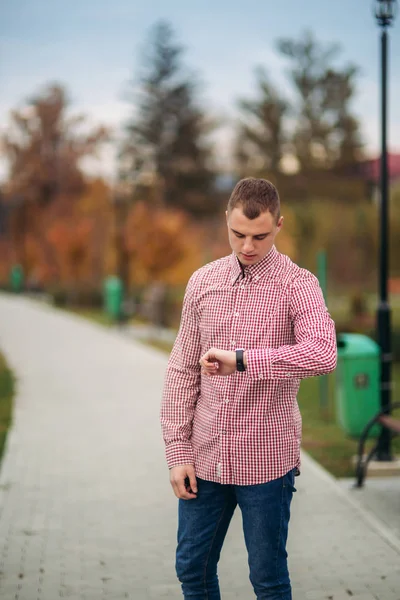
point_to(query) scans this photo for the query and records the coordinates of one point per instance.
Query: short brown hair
(255, 196)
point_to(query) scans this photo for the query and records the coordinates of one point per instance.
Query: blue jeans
(204, 521)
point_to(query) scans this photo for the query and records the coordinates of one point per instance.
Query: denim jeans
(204, 521)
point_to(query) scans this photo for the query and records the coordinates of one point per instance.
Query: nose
(248, 246)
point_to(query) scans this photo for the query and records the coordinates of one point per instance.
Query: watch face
(239, 360)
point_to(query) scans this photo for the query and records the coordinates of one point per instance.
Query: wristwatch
(239, 360)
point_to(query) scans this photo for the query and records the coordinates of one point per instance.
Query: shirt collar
(255, 271)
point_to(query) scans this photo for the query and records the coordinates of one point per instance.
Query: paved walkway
(86, 511)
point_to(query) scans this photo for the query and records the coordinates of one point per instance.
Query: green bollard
(113, 296)
(16, 278)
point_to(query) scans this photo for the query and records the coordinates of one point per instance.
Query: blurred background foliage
(163, 215)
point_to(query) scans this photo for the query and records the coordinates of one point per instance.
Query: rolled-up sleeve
(182, 385)
(314, 351)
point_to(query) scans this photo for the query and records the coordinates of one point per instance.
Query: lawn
(322, 436)
(6, 399)
(97, 315)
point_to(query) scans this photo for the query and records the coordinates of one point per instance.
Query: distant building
(371, 169)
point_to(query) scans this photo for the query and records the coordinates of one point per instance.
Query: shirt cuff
(259, 363)
(179, 453)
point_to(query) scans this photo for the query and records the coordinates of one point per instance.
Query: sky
(93, 47)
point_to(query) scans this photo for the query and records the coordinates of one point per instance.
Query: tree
(166, 149)
(339, 91)
(44, 147)
(70, 240)
(161, 244)
(326, 133)
(261, 135)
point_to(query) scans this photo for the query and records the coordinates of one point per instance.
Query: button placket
(240, 298)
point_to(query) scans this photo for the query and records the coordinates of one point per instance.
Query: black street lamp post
(385, 12)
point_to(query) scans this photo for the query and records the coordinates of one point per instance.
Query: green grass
(7, 386)
(159, 344)
(339, 307)
(322, 436)
(93, 314)
(98, 315)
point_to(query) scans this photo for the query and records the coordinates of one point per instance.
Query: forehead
(239, 222)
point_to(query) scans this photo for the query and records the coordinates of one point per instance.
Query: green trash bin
(357, 383)
(16, 278)
(113, 297)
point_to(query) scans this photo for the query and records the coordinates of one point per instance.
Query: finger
(211, 364)
(183, 493)
(193, 481)
(205, 362)
(179, 488)
(210, 369)
(209, 356)
(210, 360)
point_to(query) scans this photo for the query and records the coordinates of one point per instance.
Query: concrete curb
(380, 528)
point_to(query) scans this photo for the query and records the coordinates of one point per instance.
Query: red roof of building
(372, 168)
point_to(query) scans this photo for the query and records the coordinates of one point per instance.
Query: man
(253, 325)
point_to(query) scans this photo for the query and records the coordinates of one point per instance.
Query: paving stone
(86, 509)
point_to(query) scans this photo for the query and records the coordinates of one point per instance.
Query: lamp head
(385, 12)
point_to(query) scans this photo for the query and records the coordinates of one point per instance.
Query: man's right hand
(177, 476)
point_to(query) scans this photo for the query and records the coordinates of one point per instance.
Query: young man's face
(252, 239)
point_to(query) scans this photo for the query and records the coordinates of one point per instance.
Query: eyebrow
(255, 235)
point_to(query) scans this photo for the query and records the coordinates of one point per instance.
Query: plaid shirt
(245, 428)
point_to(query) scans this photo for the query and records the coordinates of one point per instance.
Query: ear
(226, 215)
(279, 224)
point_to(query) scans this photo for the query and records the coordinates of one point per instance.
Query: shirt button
(237, 314)
(233, 344)
(223, 431)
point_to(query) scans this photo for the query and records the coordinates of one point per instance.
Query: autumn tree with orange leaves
(43, 146)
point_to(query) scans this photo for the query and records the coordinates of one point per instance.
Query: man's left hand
(218, 362)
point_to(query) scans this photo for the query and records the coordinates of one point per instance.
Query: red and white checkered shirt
(245, 428)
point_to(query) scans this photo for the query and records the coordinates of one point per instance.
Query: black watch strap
(239, 360)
